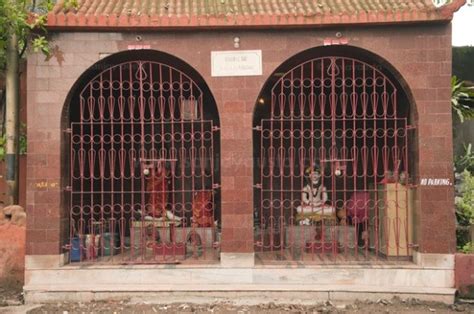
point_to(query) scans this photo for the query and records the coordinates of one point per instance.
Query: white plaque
(236, 63)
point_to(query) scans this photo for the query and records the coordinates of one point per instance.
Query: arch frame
(350, 51)
(93, 72)
(268, 95)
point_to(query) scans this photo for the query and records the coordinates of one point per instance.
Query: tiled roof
(155, 14)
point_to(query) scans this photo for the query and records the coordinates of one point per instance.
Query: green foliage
(40, 44)
(22, 143)
(3, 143)
(465, 202)
(462, 99)
(467, 248)
(72, 4)
(466, 160)
(465, 211)
(462, 103)
(26, 18)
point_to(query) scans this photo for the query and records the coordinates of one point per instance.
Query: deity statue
(157, 190)
(314, 196)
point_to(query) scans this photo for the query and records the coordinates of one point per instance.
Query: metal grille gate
(335, 119)
(143, 182)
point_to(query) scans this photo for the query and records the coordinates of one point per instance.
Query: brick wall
(421, 54)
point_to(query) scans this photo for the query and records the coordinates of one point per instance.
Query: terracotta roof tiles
(155, 14)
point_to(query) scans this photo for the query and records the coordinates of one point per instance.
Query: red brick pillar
(43, 197)
(436, 221)
(237, 164)
(435, 227)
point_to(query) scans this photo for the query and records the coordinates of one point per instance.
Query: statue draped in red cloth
(157, 189)
(202, 209)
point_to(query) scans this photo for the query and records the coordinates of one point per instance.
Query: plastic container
(110, 243)
(75, 254)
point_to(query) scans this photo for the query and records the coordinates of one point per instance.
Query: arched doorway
(142, 161)
(334, 164)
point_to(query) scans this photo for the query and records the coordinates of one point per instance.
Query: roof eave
(167, 25)
(74, 21)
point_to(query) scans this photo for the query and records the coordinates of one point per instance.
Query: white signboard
(236, 63)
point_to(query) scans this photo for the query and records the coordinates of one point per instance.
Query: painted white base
(237, 279)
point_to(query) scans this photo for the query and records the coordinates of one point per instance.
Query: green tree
(26, 19)
(462, 102)
(22, 24)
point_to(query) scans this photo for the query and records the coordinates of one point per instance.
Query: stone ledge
(237, 260)
(435, 261)
(244, 260)
(240, 296)
(44, 261)
(89, 279)
(225, 288)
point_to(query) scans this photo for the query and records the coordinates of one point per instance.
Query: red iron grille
(339, 119)
(143, 184)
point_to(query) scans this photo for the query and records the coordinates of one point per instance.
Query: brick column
(237, 167)
(436, 221)
(48, 84)
(422, 57)
(43, 163)
(236, 101)
(436, 224)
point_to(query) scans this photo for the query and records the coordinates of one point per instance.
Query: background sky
(463, 27)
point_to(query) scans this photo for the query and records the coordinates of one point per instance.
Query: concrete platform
(431, 279)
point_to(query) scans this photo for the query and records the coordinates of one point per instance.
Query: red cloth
(157, 189)
(202, 209)
(358, 205)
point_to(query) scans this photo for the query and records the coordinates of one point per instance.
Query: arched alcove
(141, 161)
(334, 167)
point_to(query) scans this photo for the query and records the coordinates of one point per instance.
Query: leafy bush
(465, 202)
(462, 99)
(465, 161)
(465, 211)
(467, 248)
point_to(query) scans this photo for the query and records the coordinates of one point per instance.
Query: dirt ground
(392, 306)
(10, 294)
(11, 302)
